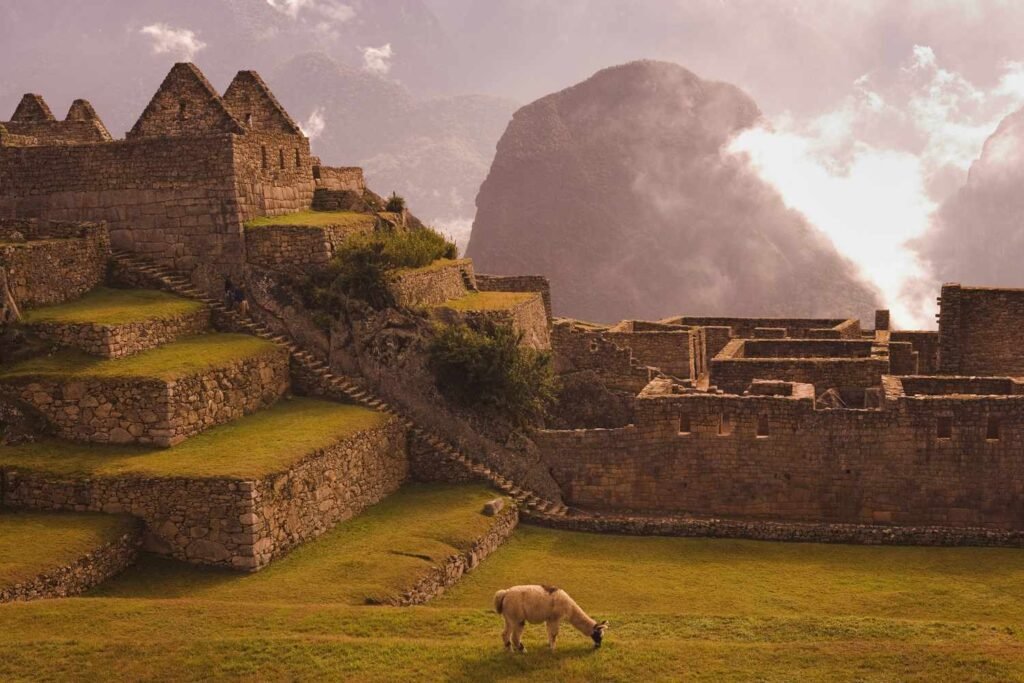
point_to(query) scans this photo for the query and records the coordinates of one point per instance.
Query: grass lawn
(261, 443)
(182, 358)
(107, 306)
(680, 609)
(437, 264)
(317, 219)
(35, 542)
(488, 301)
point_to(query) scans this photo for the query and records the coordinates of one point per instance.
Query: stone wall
(527, 317)
(273, 173)
(294, 246)
(432, 285)
(123, 339)
(668, 350)
(84, 573)
(926, 346)
(743, 328)
(927, 460)
(339, 179)
(445, 575)
(154, 411)
(979, 329)
(516, 283)
(578, 349)
(231, 522)
(56, 264)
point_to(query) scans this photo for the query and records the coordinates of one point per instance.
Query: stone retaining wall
(290, 246)
(233, 522)
(432, 285)
(857, 534)
(155, 411)
(445, 575)
(516, 283)
(53, 268)
(125, 339)
(84, 573)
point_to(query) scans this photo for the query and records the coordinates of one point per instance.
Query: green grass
(437, 264)
(255, 445)
(680, 609)
(106, 306)
(488, 301)
(184, 357)
(317, 219)
(32, 543)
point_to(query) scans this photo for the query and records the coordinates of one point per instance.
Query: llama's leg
(552, 633)
(506, 634)
(517, 636)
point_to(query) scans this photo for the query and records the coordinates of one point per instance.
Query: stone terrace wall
(528, 318)
(117, 341)
(779, 458)
(292, 246)
(979, 331)
(516, 283)
(442, 577)
(84, 573)
(432, 285)
(50, 270)
(339, 179)
(227, 522)
(154, 411)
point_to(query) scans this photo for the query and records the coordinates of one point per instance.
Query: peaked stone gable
(32, 108)
(185, 105)
(250, 101)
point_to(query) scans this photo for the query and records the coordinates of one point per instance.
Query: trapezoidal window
(263, 157)
(298, 160)
(684, 424)
(280, 158)
(992, 429)
(248, 120)
(762, 427)
(944, 428)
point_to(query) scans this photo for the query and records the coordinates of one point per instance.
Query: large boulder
(621, 190)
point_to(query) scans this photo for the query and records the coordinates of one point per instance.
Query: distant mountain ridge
(620, 191)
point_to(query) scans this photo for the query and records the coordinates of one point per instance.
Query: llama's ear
(603, 625)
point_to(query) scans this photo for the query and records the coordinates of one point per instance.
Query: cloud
(326, 11)
(871, 172)
(315, 124)
(181, 42)
(378, 59)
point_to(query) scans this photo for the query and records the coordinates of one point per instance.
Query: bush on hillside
(396, 203)
(487, 368)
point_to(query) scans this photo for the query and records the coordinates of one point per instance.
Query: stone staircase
(531, 504)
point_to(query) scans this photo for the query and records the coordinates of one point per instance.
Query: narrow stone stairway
(180, 284)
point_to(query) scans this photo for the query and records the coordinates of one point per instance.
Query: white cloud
(180, 42)
(871, 172)
(378, 59)
(315, 124)
(327, 10)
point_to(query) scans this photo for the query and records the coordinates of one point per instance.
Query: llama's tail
(499, 598)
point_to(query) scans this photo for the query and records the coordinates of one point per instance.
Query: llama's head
(598, 633)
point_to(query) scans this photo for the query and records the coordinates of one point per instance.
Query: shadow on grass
(500, 664)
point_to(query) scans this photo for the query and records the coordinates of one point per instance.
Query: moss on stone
(316, 219)
(182, 358)
(107, 306)
(262, 443)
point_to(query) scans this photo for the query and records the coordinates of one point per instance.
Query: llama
(534, 604)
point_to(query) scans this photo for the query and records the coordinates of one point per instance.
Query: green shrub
(487, 368)
(396, 203)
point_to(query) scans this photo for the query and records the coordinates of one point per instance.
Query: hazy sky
(874, 109)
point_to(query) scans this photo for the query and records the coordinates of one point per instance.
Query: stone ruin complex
(792, 429)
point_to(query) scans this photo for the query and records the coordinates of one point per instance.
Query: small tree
(488, 368)
(396, 203)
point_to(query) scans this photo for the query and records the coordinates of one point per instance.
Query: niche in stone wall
(944, 427)
(263, 157)
(762, 427)
(724, 425)
(684, 424)
(992, 428)
(298, 160)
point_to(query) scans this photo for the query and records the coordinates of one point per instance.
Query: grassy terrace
(488, 301)
(252, 446)
(33, 542)
(182, 358)
(437, 264)
(106, 306)
(317, 219)
(680, 609)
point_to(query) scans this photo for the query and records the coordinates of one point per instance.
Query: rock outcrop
(621, 191)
